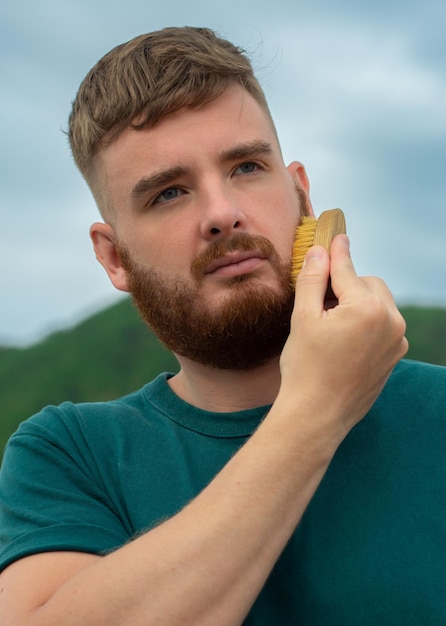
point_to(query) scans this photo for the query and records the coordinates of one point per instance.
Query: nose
(221, 216)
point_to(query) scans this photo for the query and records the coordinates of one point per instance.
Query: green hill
(112, 353)
(106, 356)
(426, 331)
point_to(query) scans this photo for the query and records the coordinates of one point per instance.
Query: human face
(200, 175)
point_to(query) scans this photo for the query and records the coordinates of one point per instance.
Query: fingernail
(346, 241)
(313, 254)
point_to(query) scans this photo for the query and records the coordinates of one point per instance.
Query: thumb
(343, 273)
(311, 284)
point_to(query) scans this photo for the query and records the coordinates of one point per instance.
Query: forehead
(186, 136)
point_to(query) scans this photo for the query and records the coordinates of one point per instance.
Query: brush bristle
(303, 241)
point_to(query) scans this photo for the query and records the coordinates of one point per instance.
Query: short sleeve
(51, 495)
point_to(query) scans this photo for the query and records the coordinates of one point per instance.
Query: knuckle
(311, 271)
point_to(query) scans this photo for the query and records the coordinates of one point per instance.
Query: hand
(340, 359)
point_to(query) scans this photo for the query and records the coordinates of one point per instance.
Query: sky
(358, 94)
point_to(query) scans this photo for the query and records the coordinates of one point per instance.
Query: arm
(207, 564)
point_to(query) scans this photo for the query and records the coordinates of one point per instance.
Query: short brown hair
(139, 82)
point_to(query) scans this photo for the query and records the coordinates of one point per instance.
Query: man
(247, 488)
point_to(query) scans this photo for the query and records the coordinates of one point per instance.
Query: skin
(215, 199)
(207, 564)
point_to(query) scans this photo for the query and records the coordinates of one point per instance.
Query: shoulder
(91, 421)
(414, 397)
(414, 377)
(406, 427)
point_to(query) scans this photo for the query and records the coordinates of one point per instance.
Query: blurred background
(358, 93)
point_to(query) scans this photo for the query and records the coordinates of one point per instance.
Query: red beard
(250, 326)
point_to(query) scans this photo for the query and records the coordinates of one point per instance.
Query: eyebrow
(149, 184)
(247, 150)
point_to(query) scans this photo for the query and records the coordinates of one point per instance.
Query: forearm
(207, 564)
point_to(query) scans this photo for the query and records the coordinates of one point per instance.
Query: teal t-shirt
(370, 549)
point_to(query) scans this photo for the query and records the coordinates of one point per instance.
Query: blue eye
(247, 168)
(168, 194)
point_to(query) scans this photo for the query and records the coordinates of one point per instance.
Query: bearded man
(292, 471)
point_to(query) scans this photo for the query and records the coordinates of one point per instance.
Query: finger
(342, 271)
(311, 284)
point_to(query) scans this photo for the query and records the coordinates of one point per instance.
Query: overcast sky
(358, 92)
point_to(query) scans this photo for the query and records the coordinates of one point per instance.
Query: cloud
(358, 94)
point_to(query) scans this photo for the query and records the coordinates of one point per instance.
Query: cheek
(284, 223)
(286, 249)
(166, 250)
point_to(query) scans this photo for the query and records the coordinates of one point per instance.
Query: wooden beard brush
(315, 231)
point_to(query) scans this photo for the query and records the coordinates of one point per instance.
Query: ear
(104, 243)
(297, 172)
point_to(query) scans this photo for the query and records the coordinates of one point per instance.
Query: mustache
(242, 242)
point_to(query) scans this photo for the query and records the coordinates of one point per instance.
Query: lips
(239, 254)
(234, 261)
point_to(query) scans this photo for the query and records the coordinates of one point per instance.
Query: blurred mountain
(104, 357)
(113, 353)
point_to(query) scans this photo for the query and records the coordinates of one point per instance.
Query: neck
(224, 391)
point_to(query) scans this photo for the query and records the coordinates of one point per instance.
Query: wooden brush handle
(329, 224)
